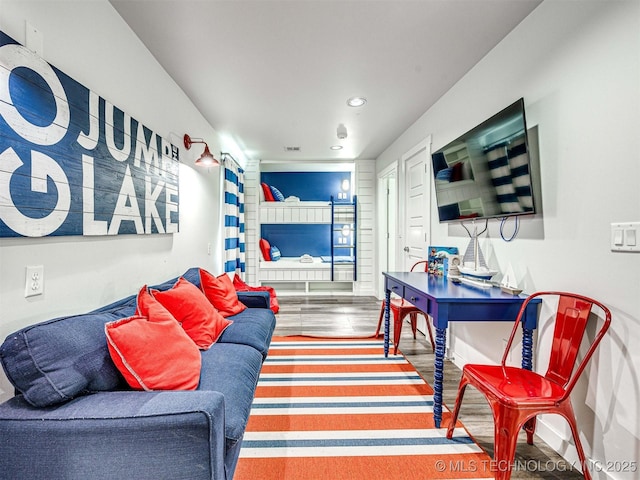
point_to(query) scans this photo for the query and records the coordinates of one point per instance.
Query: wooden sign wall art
(71, 163)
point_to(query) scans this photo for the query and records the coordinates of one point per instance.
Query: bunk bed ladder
(332, 234)
(352, 248)
(355, 238)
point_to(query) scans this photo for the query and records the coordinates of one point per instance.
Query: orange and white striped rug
(336, 409)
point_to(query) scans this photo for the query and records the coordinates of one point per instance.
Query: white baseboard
(565, 447)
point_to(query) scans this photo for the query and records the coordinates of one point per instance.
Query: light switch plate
(625, 237)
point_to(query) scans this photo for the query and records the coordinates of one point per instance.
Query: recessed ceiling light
(356, 101)
(336, 147)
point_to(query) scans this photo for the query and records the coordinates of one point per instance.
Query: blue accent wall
(296, 239)
(309, 186)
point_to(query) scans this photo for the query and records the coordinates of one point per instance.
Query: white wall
(364, 188)
(577, 65)
(92, 44)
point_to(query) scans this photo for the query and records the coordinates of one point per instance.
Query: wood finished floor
(358, 316)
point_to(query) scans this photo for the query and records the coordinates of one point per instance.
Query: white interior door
(392, 220)
(417, 203)
(388, 222)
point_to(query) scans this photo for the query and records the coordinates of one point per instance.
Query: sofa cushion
(253, 327)
(232, 370)
(191, 308)
(54, 361)
(154, 354)
(221, 293)
(167, 435)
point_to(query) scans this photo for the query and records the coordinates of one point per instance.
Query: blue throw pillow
(444, 175)
(275, 254)
(277, 194)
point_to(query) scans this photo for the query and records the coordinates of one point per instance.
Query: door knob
(406, 249)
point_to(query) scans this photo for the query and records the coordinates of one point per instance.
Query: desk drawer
(417, 298)
(395, 287)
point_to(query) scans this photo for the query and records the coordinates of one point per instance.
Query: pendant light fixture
(206, 159)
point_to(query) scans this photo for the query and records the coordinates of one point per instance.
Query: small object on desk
(480, 278)
(439, 260)
(454, 262)
(482, 272)
(508, 283)
(474, 269)
(476, 282)
(511, 291)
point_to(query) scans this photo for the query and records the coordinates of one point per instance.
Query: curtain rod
(224, 155)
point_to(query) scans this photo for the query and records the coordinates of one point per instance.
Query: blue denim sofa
(74, 417)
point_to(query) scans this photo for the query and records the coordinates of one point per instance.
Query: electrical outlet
(34, 284)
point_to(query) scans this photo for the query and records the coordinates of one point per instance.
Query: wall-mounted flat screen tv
(486, 173)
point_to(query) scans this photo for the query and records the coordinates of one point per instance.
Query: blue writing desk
(445, 301)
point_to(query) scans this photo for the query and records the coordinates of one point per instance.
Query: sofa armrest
(255, 299)
(115, 435)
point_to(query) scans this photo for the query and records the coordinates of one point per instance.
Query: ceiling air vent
(291, 149)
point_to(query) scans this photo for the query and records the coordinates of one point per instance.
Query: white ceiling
(276, 73)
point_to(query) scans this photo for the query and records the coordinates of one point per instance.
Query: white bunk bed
(334, 274)
(295, 212)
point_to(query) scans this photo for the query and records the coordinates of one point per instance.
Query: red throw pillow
(154, 355)
(148, 306)
(456, 172)
(241, 286)
(221, 293)
(268, 194)
(195, 313)
(265, 248)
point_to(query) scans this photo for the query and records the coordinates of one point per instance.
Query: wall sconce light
(206, 159)
(344, 186)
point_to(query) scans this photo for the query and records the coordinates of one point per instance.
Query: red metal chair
(516, 395)
(400, 308)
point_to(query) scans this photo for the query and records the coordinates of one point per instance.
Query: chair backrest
(420, 266)
(572, 316)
